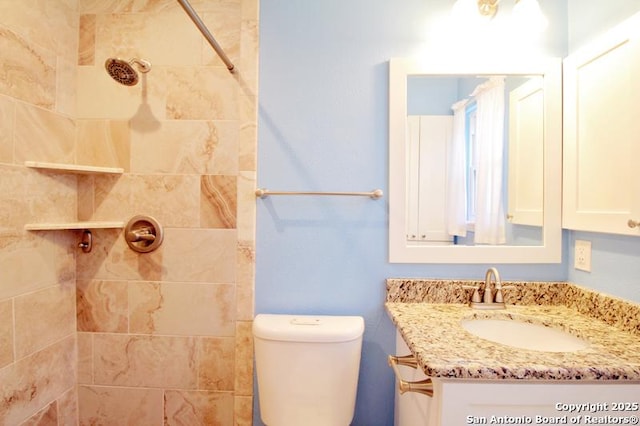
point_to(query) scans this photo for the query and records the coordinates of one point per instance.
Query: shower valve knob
(143, 234)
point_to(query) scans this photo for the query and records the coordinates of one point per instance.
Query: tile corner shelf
(77, 169)
(73, 225)
(73, 168)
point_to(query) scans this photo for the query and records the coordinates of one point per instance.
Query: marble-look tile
(66, 76)
(32, 333)
(64, 247)
(245, 302)
(6, 332)
(243, 410)
(182, 309)
(112, 259)
(186, 146)
(34, 125)
(85, 358)
(33, 76)
(100, 97)
(218, 201)
(188, 408)
(250, 9)
(247, 153)
(124, 6)
(172, 38)
(51, 197)
(86, 185)
(102, 306)
(246, 207)
(145, 361)
(32, 382)
(224, 22)
(13, 205)
(112, 406)
(51, 25)
(216, 89)
(216, 364)
(87, 42)
(68, 408)
(111, 197)
(48, 416)
(173, 200)
(7, 122)
(200, 255)
(34, 262)
(103, 143)
(244, 359)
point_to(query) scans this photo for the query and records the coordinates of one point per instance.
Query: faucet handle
(476, 294)
(499, 298)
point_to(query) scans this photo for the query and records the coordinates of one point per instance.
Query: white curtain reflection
(456, 193)
(490, 218)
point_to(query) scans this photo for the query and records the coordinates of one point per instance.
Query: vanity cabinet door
(411, 409)
(601, 189)
(467, 402)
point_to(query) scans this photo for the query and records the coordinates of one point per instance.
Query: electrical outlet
(582, 255)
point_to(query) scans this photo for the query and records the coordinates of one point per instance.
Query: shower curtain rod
(205, 32)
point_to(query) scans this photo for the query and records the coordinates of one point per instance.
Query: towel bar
(263, 193)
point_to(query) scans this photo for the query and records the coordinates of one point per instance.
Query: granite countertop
(428, 314)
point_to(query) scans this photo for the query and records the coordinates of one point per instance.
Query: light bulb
(528, 15)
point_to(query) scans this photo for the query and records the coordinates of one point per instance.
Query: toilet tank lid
(308, 328)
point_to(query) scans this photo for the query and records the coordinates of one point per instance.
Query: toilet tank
(307, 368)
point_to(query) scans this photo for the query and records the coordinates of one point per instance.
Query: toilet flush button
(305, 321)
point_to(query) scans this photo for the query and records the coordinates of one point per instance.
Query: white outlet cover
(582, 255)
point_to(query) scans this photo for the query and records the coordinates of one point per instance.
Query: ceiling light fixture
(525, 13)
(488, 8)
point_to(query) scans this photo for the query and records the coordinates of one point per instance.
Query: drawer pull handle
(632, 223)
(424, 387)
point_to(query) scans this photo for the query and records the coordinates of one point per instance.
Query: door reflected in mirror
(475, 161)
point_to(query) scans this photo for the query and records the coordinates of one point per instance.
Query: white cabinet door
(602, 133)
(526, 156)
(411, 409)
(428, 138)
(497, 402)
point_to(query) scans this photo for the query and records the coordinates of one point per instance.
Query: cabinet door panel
(428, 138)
(601, 133)
(526, 156)
(534, 402)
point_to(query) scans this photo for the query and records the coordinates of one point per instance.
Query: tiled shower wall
(162, 337)
(38, 55)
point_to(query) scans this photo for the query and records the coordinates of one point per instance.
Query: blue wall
(323, 127)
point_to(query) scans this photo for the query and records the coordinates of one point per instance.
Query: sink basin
(524, 335)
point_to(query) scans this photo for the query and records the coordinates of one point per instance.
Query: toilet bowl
(307, 368)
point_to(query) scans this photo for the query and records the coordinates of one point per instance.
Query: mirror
(423, 139)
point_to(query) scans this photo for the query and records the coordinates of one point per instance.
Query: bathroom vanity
(479, 381)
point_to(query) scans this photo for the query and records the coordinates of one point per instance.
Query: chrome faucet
(492, 298)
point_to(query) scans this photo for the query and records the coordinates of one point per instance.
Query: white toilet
(307, 368)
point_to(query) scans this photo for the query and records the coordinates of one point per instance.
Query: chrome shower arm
(206, 33)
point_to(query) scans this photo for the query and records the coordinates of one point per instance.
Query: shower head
(123, 72)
